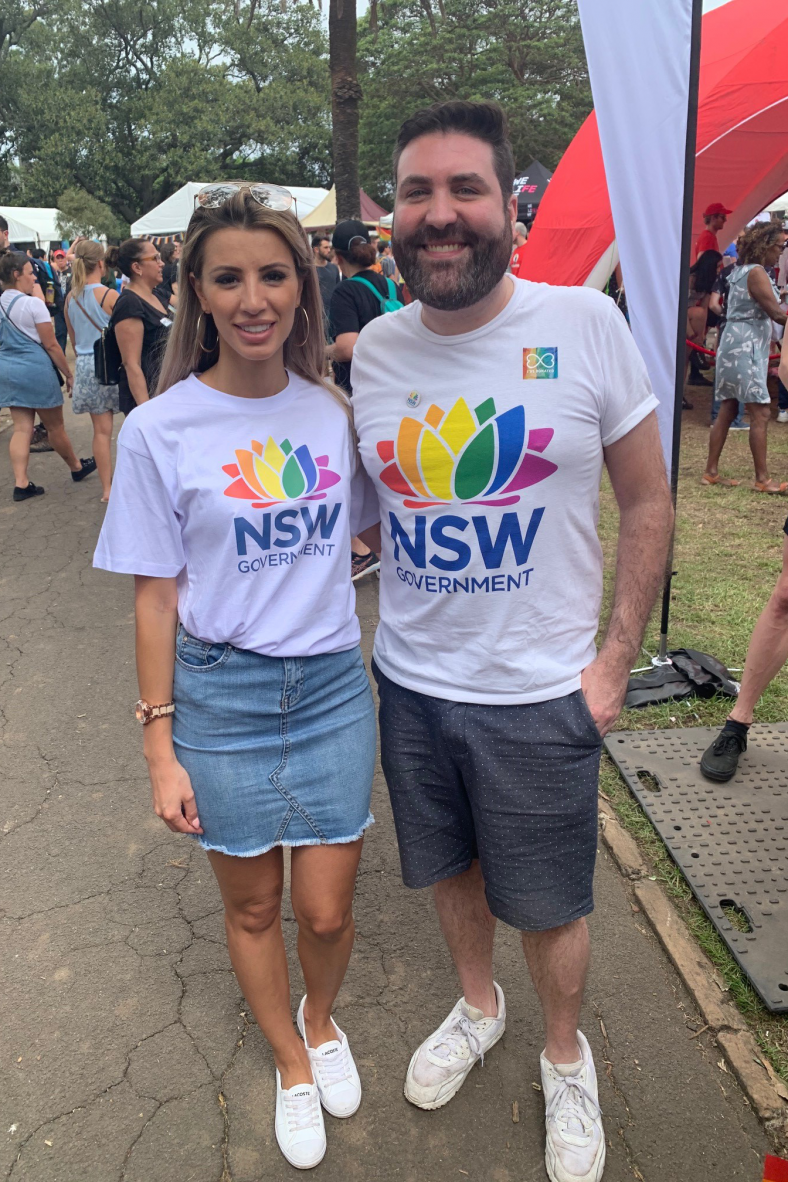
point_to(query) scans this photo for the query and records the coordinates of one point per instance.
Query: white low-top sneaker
(575, 1147)
(299, 1124)
(334, 1070)
(439, 1067)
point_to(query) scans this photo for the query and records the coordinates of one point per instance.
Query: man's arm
(637, 472)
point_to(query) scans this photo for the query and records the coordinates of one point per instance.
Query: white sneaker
(439, 1067)
(782, 416)
(575, 1149)
(334, 1070)
(299, 1124)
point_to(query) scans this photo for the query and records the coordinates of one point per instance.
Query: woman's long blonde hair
(304, 353)
(87, 256)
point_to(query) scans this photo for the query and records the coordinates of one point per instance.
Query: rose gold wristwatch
(145, 713)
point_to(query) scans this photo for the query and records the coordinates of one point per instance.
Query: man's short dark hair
(318, 238)
(38, 253)
(484, 121)
(3, 224)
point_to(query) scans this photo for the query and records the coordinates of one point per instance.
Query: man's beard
(457, 283)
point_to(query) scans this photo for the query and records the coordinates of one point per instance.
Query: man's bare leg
(768, 649)
(469, 930)
(558, 963)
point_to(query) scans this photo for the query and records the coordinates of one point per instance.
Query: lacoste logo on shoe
(540, 363)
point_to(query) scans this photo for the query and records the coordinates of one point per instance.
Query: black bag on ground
(689, 672)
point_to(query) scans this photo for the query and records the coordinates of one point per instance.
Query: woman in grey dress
(743, 353)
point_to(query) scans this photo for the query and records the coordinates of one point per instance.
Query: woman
(743, 353)
(351, 307)
(141, 322)
(236, 491)
(88, 309)
(28, 382)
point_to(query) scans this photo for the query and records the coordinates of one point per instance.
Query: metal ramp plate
(730, 840)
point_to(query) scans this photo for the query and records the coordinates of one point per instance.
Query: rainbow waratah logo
(540, 363)
(278, 472)
(475, 456)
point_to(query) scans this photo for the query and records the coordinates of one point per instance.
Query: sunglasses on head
(270, 196)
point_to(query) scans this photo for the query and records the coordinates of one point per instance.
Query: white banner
(639, 61)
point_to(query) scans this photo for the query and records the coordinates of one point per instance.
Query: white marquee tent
(34, 224)
(172, 216)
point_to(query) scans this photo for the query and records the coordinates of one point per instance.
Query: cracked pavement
(126, 1050)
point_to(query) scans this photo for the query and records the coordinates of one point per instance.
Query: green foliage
(526, 54)
(127, 100)
(86, 216)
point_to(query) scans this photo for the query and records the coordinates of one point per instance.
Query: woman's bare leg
(52, 418)
(252, 894)
(19, 443)
(323, 879)
(102, 445)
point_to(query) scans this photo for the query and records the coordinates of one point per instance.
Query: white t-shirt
(486, 450)
(251, 503)
(28, 311)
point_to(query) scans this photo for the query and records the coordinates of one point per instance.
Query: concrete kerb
(764, 1089)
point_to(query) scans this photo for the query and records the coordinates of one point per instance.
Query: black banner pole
(681, 334)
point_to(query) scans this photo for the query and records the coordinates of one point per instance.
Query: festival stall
(170, 219)
(31, 225)
(325, 215)
(530, 186)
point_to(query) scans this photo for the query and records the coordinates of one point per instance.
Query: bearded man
(485, 411)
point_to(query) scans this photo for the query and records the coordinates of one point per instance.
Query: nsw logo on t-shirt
(540, 363)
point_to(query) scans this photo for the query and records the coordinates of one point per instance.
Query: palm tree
(345, 97)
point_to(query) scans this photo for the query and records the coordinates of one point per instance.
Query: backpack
(389, 303)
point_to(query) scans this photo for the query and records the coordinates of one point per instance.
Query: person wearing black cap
(352, 305)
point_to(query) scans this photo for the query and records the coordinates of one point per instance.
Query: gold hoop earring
(301, 308)
(200, 336)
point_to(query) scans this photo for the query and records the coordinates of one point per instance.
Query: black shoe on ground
(687, 405)
(720, 760)
(88, 466)
(40, 441)
(32, 490)
(697, 379)
(363, 564)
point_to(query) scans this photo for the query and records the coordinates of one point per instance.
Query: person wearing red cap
(715, 216)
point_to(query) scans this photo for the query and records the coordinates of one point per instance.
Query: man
(386, 260)
(170, 256)
(61, 280)
(715, 217)
(4, 243)
(327, 272)
(484, 411)
(520, 239)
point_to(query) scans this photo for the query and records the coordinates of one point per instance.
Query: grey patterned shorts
(90, 397)
(514, 786)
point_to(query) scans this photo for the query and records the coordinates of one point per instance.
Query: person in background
(87, 312)
(520, 239)
(743, 353)
(4, 244)
(170, 256)
(718, 307)
(62, 278)
(715, 216)
(353, 306)
(141, 322)
(386, 260)
(28, 382)
(327, 272)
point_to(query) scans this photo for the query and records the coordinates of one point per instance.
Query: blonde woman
(88, 310)
(236, 492)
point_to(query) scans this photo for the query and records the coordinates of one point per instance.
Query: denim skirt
(280, 751)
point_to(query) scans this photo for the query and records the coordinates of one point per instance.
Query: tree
(81, 214)
(345, 99)
(526, 54)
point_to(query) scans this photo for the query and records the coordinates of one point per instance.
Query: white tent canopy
(172, 216)
(780, 203)
(35, 225)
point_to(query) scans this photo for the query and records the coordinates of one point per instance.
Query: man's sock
(738, 728)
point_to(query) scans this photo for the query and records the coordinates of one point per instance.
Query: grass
(727, 556)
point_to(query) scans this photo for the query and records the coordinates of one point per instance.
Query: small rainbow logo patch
(478, 456)
(269, 474)
(540, 363)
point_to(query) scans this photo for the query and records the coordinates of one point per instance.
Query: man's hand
(604, 684)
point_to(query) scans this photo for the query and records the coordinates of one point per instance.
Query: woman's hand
(70, 384)
(173, 797)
